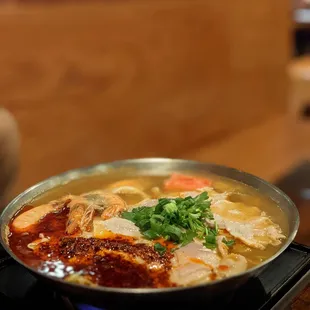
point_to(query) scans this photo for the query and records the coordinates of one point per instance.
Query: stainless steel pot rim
(102, 167)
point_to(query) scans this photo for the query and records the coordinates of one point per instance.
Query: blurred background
(91, 81)
(218, 81)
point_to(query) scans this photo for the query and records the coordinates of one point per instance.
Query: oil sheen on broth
(147, 231)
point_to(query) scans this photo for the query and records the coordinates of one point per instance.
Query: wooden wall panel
(103, 81)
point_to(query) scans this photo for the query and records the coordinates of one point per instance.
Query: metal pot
(115, 297)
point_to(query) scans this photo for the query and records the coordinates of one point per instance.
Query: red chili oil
(108, 262)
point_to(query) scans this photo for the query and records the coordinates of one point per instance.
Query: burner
(276, 286)
(86, 307)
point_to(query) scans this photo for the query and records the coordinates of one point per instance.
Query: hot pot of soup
(148, 230)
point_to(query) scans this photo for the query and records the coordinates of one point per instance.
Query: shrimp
(108, 204)
(76, 214)
(114, 205)
(82, 209)
(87, 217)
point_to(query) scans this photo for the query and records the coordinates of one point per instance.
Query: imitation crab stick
(184, 182)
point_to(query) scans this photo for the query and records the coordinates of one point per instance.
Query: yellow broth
(241, 193)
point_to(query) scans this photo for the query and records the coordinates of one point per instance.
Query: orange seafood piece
(32, 216)
(184, 182)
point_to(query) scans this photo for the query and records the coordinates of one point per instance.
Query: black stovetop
(283, 279)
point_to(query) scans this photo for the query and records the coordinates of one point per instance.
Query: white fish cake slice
(144, 203)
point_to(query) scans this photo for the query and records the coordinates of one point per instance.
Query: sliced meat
(213, 194)
(194, 251)
(191, 274)
(231, 265)
(193, 264)
(248, 224)
(145, 203)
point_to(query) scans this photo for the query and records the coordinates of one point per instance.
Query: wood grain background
(115, 79)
